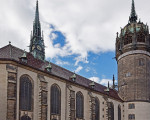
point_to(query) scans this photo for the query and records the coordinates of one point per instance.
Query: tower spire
(133, 16)
(37, 12)
(37, 26)
(37, 47)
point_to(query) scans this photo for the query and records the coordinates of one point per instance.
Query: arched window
(110, 111)
(140, 37)
(97, 106)
(119, 112)
(26, 93)
(127, 39)
(55, 100)
(79, 105)
(25, 117)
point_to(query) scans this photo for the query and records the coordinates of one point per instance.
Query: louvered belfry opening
(26, 94)
(97, 114)
(79, 105)
(55, 100)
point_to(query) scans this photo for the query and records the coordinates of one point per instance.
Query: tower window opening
(140, 38)
(141, 62)
(127, 40)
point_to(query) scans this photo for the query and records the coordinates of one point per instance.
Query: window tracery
(79, 105)
(26, 93)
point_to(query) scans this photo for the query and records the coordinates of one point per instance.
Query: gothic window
(25, 117)
(110, 111)
(26, 93)
(55, 100)
(131, 117)
(127, 39)
(97, 106)
(119, 112)
(131, 106)
(79, 105)
(140, 38)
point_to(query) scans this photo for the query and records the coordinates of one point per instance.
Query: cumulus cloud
(95, 79)
(60, 62)
(102, 81)
(88, 25)
(79, 68)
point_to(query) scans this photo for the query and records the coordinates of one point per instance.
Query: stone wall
(134, 77)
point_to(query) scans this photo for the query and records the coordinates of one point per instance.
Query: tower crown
(37, 47)
(134, 36)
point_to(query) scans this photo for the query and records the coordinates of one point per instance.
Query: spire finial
(133, 16)
(113, 82)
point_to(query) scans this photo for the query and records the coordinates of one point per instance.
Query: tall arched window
(55, 100)
(110, 111)
(127, 39)
(79, 105)
(140, 37)
(119, 112)
(26, 93)
(97, 106)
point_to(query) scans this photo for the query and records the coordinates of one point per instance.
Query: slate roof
(13, 53)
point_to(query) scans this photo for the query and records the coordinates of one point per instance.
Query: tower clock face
(39, 48)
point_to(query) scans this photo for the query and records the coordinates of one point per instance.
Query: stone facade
(134, 77)
(41, 108)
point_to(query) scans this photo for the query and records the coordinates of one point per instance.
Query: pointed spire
(113, 82)
(37, 26)
(37, 47)
(133, 16)
(37, 12)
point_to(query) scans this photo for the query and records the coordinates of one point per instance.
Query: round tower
(133, 58)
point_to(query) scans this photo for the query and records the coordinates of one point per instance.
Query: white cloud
(60, 62)
(105, 82)
(95, 79)
(79, 68)
(88, 25)
(102, 81)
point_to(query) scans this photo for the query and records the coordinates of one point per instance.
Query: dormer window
(49, 67)
(92, 84)
(73, 77)
(24, 57)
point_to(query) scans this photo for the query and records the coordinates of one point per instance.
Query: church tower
(133, 58)
(37, 47)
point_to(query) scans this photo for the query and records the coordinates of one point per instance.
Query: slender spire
(113, 82)
(37, 26)
(133, 16)
(37, 47)
(37, 12)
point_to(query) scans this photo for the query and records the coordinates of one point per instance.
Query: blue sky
(100, 66)
(80, 35)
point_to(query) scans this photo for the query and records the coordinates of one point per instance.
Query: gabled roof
(10, 52)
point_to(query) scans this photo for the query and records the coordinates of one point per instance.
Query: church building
(32, 88)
